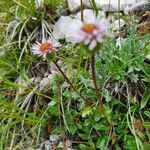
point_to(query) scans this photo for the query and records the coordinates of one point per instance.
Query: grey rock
(54, 138)
(86, 12)
(140, 7)
(11, 28)
(73, 5)
(46, 145)
(111, 5)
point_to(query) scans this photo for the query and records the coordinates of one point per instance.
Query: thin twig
(66, 78)
(95, 81)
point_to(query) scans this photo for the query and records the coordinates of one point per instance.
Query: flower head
(91, 31)
(45, 47)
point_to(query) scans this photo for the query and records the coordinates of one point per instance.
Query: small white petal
(90, 17)
(72, 29)
(99, 38)
(37, 43)
(87, 41)
(92, 45)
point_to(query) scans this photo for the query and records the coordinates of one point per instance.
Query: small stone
(68, 144)
(45, 81)
(10, 28)
(73, 5)
(118, 24)
(46, 145)
(58, 33)
(60, 145)
(54, 138)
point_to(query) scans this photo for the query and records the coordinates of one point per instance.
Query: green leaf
(97, 117)
(130, 143)
(106, 94)
(86, 111)
(146, 97)
(146, 124)
(146, 146)
(83, 147)
(52, 103)
(147, 113)
(92, 146)
(100, 127)
(94, 6)
(101, 142)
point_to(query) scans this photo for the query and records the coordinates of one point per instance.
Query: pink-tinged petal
(37, 43)
(89, 36)
(91, 31)
(95, 32)
(47, 46)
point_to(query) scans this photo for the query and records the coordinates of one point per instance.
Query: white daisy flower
(45, 47)
(91, 31)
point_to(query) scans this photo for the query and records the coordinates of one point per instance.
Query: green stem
(81, 8)
(66, 78)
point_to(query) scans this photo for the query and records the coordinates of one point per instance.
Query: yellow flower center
(45, 46)
(89, 28)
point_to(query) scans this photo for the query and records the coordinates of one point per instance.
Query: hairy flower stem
(97, 90)
(95, 81)
(66, 78)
